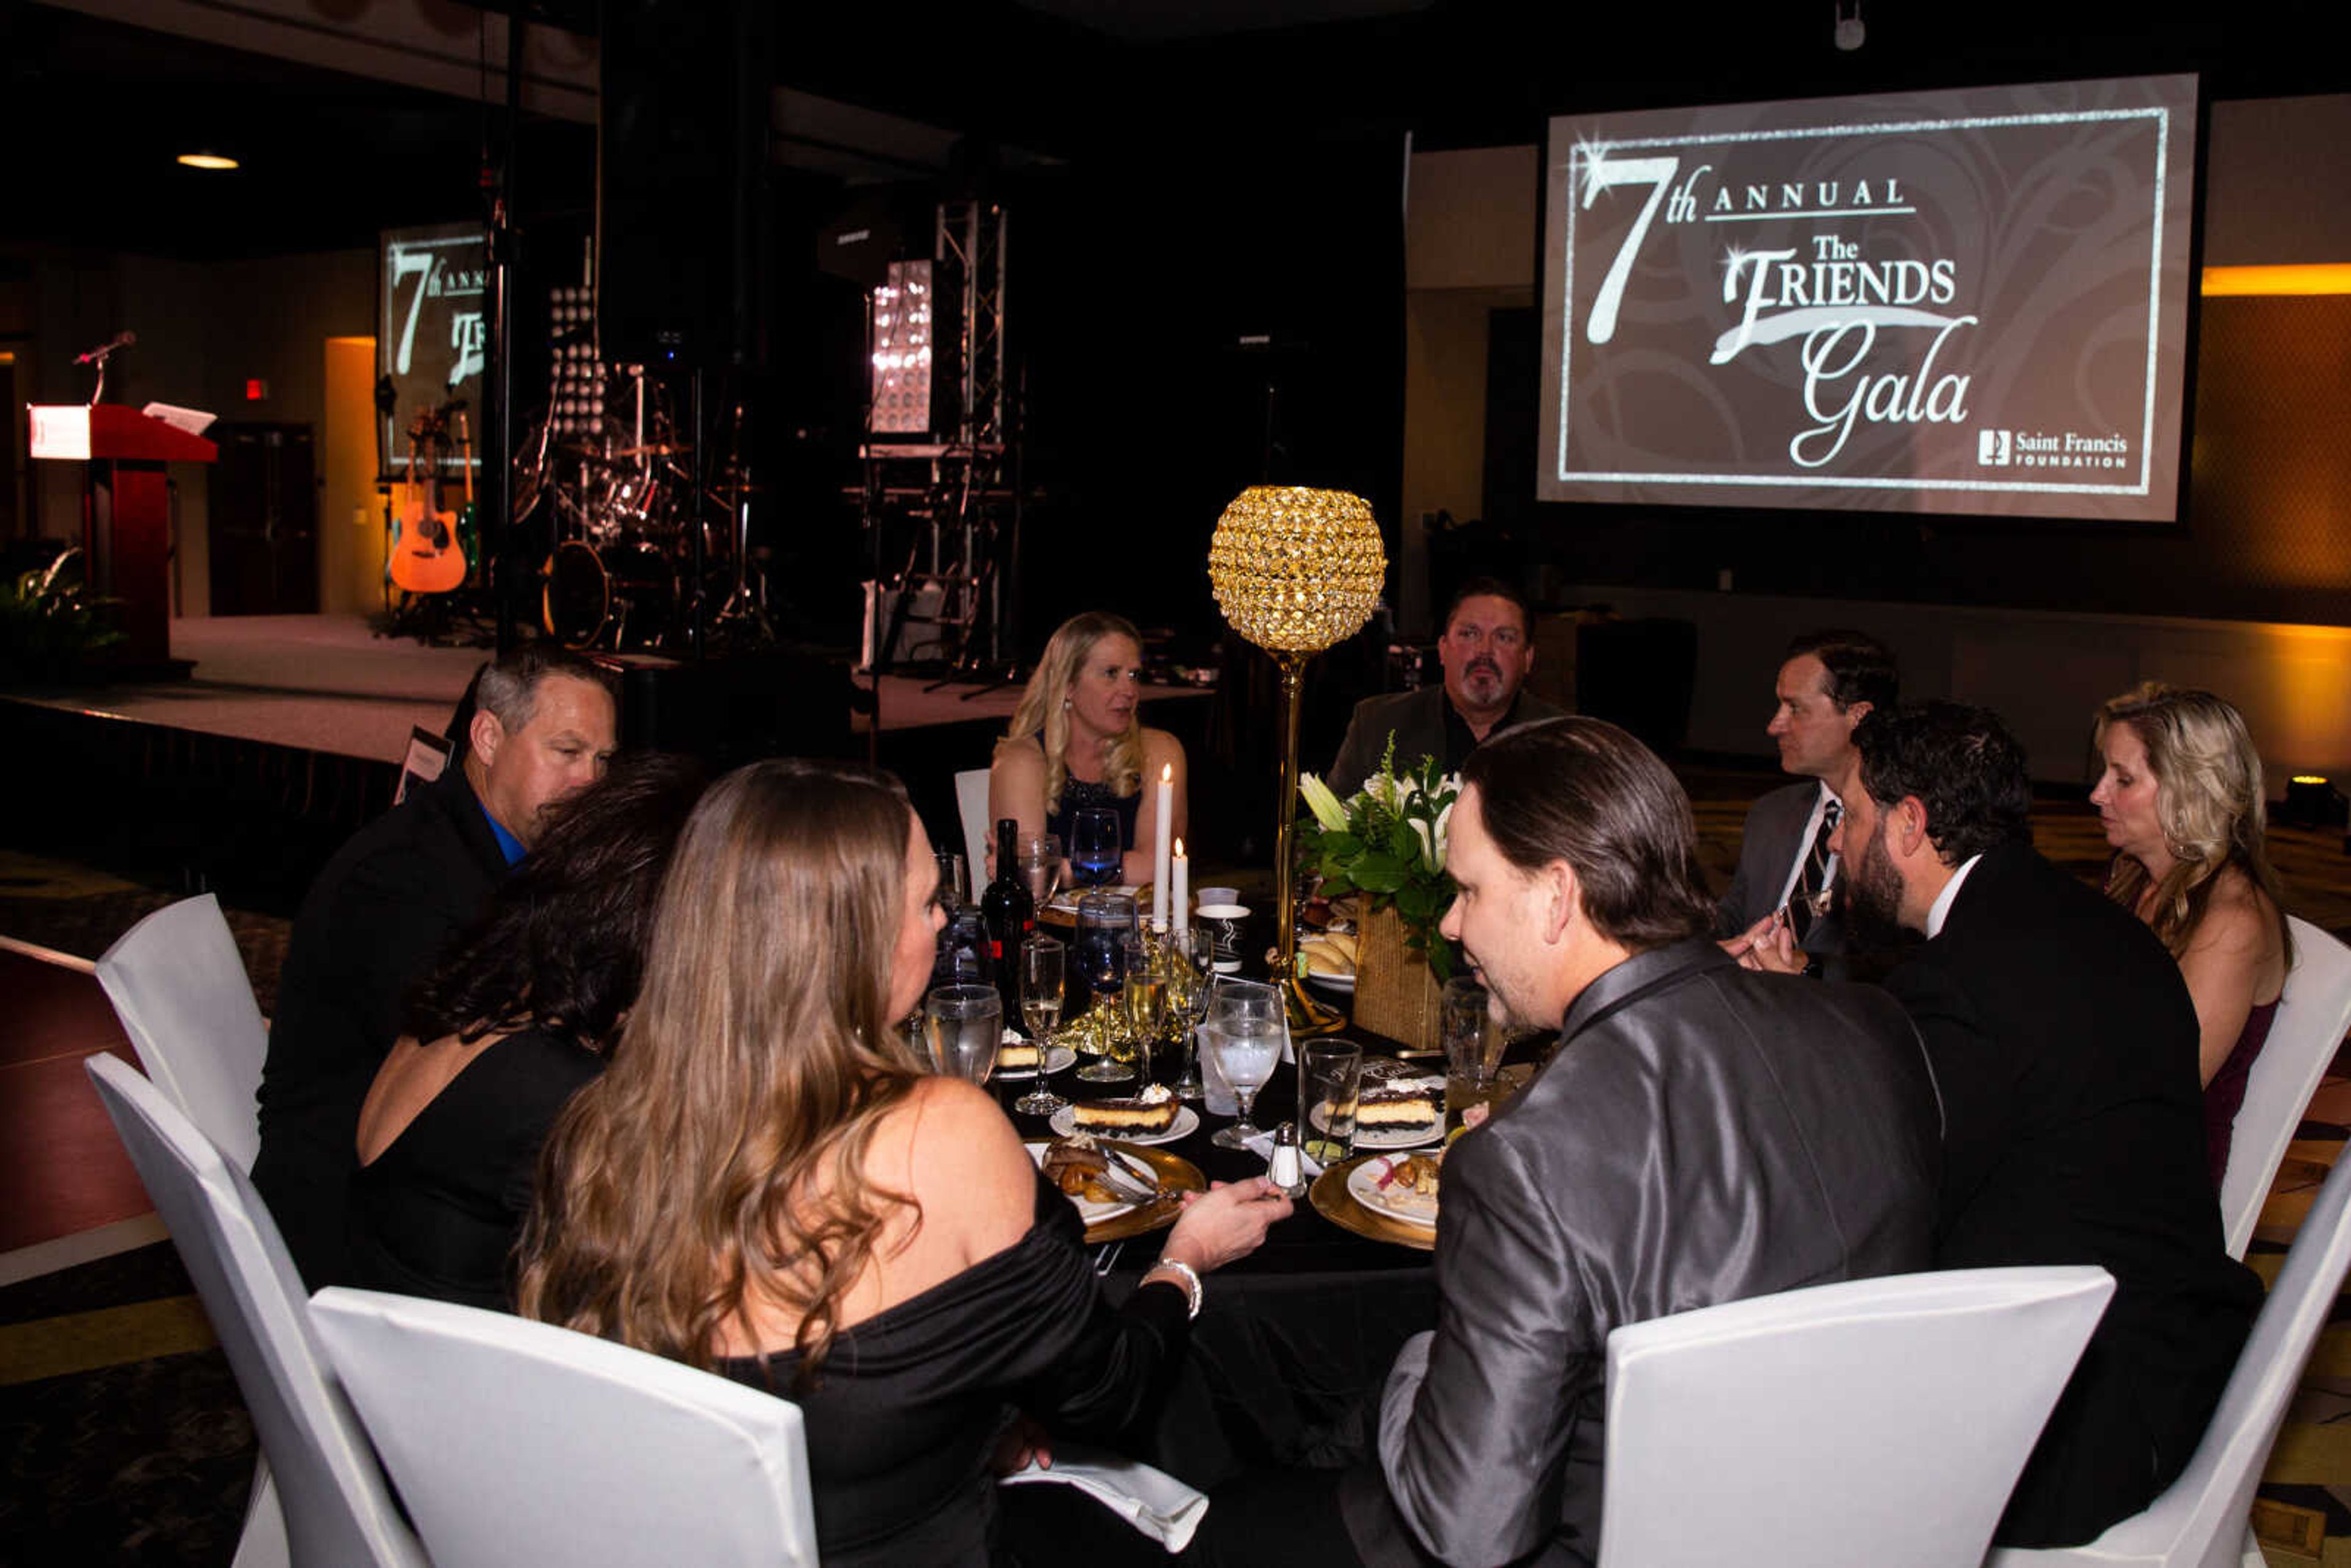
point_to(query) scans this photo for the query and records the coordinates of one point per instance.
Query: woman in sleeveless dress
(2182, 803)
(1075, 742)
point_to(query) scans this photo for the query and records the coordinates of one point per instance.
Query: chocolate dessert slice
(1152, 1111)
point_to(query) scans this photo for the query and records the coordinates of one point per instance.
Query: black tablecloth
(1293, 1345)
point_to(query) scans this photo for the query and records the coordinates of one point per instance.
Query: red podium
(126, 511)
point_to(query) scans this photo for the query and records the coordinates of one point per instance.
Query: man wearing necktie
(1828, 681)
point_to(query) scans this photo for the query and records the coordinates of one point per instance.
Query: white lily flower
(1322, 803)
(1436, 855)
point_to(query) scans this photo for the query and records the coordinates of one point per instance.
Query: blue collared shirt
(508, 845)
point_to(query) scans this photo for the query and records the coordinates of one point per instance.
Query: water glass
(1041, 865)
(954, 883)
(1043, 973)
(1331, 1075)
(963, 1026)
(1473, 1055)
(1095, 846)
(1245, 1034)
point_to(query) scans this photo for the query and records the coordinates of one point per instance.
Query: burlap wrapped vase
(1395, 993)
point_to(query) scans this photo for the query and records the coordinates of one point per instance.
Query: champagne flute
(963, 1025)
(1191, 961)
(1146, 999)
(1042, 974)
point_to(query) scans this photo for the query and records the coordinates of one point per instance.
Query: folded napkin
(1152, 1500)
(1261, 1146)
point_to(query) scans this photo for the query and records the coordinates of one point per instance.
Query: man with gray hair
(376, 919)
(1703, 1134)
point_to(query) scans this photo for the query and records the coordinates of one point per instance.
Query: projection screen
(1960, 302)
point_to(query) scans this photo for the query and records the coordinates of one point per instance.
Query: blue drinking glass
(1094, 846)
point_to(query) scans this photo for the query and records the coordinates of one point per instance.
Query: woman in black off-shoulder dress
(768, 1184)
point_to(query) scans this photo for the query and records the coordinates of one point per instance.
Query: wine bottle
(1010, 912)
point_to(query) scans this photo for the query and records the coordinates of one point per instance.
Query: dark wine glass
(1094, 846)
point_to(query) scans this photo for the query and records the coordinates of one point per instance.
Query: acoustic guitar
(426, 557)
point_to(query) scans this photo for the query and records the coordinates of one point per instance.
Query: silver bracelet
(1189, 1279)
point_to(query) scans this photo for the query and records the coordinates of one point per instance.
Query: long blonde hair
(1044, 710)
(721, 1159)
(2209, 802)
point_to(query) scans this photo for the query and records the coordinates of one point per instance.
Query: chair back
(2201, 1519)
(2313, 1014)
(180, 988)
(513, 1441)
(336, 1506)
(1819, 1427)
(971, 804)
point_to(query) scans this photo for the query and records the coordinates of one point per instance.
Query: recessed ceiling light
(206, 160)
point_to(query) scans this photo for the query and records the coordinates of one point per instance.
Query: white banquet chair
(2314, 1013)
(1854, 1424)
(180, 988)
(335, 1506)
(2200, 1520)
(513, 1441)
(971, 806)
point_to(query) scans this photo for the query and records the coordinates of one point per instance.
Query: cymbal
(656, 449)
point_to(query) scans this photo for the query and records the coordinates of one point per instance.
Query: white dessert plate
(1343, 984)
(1057, 1057)
(1363, 1187)
(1186, 1123)
(1387, 1137)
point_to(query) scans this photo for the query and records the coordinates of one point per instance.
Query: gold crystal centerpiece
(1294, 571)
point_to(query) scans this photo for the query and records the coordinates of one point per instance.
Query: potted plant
(1386, 843)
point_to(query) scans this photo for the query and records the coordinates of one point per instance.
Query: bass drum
(620, 596)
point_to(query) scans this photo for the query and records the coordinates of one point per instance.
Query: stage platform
(288, 734)
(329, 684)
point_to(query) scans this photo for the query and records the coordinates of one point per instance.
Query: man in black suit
(377, 918)
(1828, 683)
(1487, 653)
(1701, 1135)
(2064, 1046)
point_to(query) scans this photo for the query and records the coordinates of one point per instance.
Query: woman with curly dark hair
(518, 1015)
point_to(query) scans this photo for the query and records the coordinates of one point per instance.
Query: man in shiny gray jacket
(1705, 1134)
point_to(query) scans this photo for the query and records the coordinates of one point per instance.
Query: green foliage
(49, 625)
(1387, 842)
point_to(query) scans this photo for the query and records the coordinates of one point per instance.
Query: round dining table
(1293, 1344)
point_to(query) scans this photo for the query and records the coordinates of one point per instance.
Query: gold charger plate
(1176, 1174)
(1330, 1198)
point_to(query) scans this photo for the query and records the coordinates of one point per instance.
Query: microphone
(121, 341)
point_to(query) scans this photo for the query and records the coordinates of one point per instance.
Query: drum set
(624, 518)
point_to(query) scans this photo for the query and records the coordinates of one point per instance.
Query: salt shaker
(1287, 1166)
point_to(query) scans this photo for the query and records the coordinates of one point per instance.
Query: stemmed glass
(1040, 864)
(1095, 846)
(963, 1026)
(1248, 1030)
(1042, 974)
(1146, 1000)
(1105, 922)
(1191, 955)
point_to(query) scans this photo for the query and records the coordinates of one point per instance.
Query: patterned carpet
(122, 1438)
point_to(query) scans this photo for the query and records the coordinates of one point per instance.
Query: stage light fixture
(206, 160)
(901, 351)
